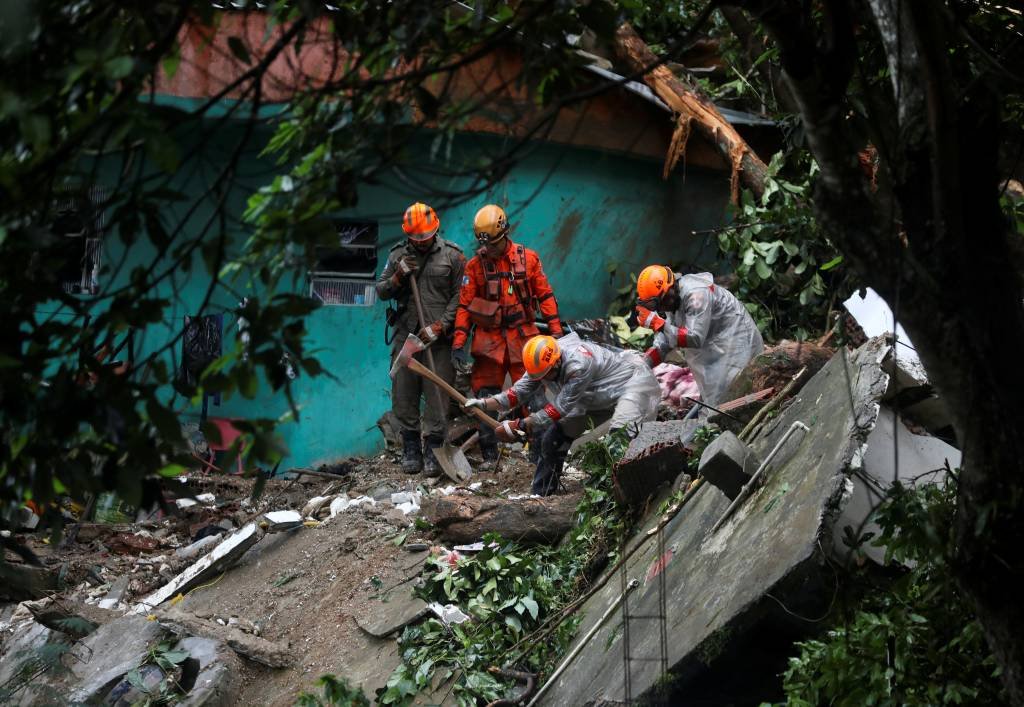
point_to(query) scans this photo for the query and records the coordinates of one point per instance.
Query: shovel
(450, 457)
(452, 460)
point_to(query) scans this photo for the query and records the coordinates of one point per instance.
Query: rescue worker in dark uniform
(503, 289)
(437, 265)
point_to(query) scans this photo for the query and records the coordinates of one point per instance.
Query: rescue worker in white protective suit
(588, 382)
(718, 333)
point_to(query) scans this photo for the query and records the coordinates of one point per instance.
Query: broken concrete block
(108, 653)
(278, 521)
(728, 464)
(217, 683)
(657, 455)
(220, 558)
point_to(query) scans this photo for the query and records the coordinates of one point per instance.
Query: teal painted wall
(580, 209)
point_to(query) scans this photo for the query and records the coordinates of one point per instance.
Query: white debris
(520, 496)
(407, 501)
(185, 502)
(342, 503)
(449, 613)
(475, 486)
(282, 520)
(475, 547)
(206, 498)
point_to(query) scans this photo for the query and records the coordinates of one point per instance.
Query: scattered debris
(269, 653)
(219, 559)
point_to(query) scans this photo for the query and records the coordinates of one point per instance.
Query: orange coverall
(498, 351)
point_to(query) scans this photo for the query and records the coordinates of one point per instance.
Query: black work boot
(554, 449)
(430, 465)
(412, 456)
(489, 452)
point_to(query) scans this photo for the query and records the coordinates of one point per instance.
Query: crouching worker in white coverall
(714, 327)
(588, 382)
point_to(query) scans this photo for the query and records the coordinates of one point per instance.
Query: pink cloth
(677, 384)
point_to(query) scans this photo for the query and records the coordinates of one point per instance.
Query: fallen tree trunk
(695, 111)
(465, 519)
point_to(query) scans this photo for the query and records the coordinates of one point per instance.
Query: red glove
(555, 329)
(652, 356)
(429, 334)
(508, 431)
(649, 319)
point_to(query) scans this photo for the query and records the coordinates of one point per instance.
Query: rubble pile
(222, 599)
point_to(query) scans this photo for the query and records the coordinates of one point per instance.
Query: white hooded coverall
(718, 334)
(592, 378)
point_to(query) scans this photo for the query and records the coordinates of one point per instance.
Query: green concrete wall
(580, 209)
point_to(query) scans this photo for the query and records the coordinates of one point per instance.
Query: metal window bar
(342, 291)
(90, 202)
(661, 617)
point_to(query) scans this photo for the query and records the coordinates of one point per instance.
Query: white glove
(475, 403)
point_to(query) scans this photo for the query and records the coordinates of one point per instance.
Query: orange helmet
(654, 281)
(540, 355)
(490, 224)
(420, 222)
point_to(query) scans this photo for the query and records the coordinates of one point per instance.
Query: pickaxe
(413, 346)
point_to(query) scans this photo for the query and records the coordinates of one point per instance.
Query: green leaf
(118, 67)
(171, 470)
(763, 271)
(832, 263)
(531, 606)
(514, 623)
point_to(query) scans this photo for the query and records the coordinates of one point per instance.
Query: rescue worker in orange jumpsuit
(503, 288)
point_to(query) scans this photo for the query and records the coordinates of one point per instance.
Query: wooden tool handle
(418, 367)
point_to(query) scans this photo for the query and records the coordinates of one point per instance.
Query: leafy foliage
(336, 692)
(788, 273)
(914, 643)
(509, 591)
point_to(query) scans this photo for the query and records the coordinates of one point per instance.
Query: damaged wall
(580, 208)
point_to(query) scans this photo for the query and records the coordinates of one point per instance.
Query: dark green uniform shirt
(439, 277)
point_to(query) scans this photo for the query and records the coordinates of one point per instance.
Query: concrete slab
(394, 611)
(219, 559)
(102, 658)
(716, 585)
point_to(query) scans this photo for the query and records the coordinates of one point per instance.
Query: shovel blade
(454, 463)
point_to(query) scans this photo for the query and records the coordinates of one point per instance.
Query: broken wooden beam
(465, 519)
(695, 110)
